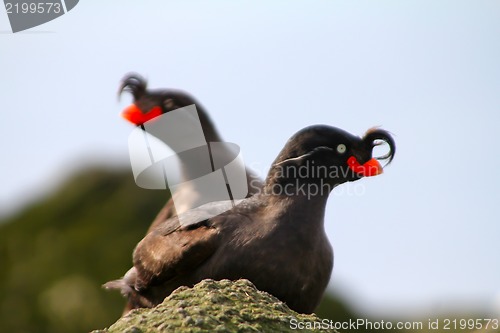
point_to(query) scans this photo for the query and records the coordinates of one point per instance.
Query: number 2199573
(32, 8)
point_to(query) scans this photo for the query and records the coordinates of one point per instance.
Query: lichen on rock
(217, 306)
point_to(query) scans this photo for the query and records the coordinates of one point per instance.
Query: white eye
(341, 148)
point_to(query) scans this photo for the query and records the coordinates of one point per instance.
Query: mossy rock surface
(216, 306)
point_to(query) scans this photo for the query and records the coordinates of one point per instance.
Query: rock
(218, 306)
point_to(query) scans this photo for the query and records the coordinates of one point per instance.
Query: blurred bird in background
(151, 104)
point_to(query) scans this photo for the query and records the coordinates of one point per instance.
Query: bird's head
(331, 156)
(149, 104)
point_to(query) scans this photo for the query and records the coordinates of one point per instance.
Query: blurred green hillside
(57, 252)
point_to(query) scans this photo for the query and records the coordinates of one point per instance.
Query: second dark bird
(149, 104)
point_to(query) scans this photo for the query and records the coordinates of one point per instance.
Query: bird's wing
(167, 251)
(177, 246)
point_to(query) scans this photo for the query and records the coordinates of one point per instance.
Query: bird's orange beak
(135, 115)
(368, 169)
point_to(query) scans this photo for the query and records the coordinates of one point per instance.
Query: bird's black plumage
(276, 238)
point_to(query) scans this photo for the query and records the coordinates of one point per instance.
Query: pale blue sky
(421, 237)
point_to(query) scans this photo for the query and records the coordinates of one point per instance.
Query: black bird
(276, 238)
(149, 104)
